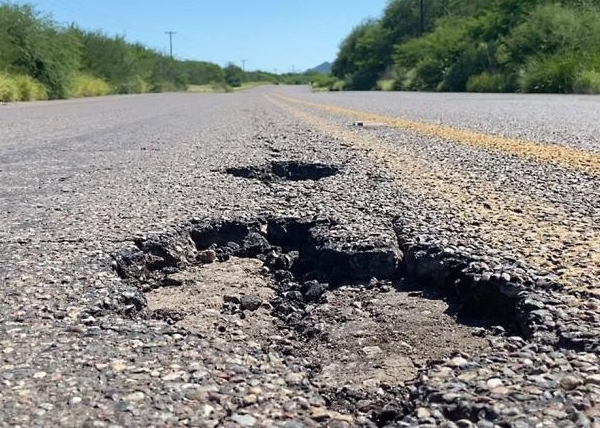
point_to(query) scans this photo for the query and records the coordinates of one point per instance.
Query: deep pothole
(367, 312)
(285, 170)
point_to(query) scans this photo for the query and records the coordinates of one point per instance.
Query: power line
(244, 61)
(171, 33)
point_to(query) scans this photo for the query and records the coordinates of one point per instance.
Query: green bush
(406, 79)
(84, 85)
(323, 81)
(9, 90)
(30, 89)
(137, 85)
(553, 74)
(549, 27)
(587, 82)
(163, 86)
(234, 75)
(20, 88)
(386, 85)
(221, 87)
(490, 82)
(468, 63)
(429, 73)
(340, 85)
(33, 44)
(363, 56)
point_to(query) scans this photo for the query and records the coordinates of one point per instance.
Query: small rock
(319, 414)
(458, 362)
(500, 390)
(423, 413)
(467, 376)
(494, 383)
(250, 302)
(118, 365)
(244, 420)
(250, 399)
(73, 313)
(231, 299)
(371, 351)
(294, 378)
(342, 418)
(314, 291)
(570, 382)
(207, 410)
(593, 379)
(173, 376)
(47, 406)
(134, 397)
(207, 256)
(450, 397)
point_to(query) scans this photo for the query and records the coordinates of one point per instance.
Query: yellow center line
(581, 160)
(538, 231)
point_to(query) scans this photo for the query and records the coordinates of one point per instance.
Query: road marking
(540, 232)
(581, 160)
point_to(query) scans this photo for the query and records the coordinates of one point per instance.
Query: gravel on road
(259, 259)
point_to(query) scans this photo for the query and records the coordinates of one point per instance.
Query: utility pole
(170, 34)
(244, 61)
(422, 15)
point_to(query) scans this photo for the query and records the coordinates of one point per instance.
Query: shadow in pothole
(285, 170)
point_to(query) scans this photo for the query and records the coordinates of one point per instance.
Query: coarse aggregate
(509, 243)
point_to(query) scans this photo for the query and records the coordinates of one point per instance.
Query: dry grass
(21, 88)
(88, 86)
(222, 87)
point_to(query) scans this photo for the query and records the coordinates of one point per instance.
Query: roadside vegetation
(41, 60)
(478, 46)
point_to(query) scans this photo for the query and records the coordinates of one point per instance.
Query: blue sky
(270, 34)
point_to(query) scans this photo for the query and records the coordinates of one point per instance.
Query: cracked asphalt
(507, 186)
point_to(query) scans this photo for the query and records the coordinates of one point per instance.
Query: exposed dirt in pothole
(368, 338)
(211, 300)
(285, 170)
(355, 337)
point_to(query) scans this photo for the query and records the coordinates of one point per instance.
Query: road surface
(277, 257)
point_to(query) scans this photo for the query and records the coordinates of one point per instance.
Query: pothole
(354, 303)
(285, 170)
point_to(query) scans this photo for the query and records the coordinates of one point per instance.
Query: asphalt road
(480, 192)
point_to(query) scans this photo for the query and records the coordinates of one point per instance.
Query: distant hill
(324, 68)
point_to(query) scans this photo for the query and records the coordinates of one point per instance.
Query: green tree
(234, 75)
(364, 55)
(34, 45)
